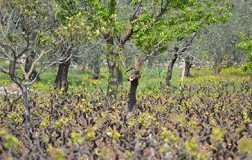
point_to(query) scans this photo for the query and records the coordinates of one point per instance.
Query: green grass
(152, 78)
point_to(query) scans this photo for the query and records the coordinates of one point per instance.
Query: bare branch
(131, 68)
(188, 44)
(42, 70)
(155, 48)
(7, 46)
(3, 70)
(1, 18)
(9, 20)
(127, 34)
(137, 8)
(26, 47)
(33, 64)
(163, 9)
(150, 54)
(4, 58)
(95, 45)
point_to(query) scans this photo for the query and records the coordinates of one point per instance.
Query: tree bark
(181, 85)
(61, 78)
(28, 64)
(217, 68)
(170, 69)
(133, 88)
(115, 77)
(112, 82)
(119, 73)
(188, 65)
(96, 66)
(115, 74)
(27, 110)
(217, 64)
(24, 89)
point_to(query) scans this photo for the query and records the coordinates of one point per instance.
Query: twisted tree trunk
(61, 78)
(27, 110)
(28, 64)
(111, 62)
(170, 69)
(188, 65)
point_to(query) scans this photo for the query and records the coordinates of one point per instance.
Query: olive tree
(217, 42)
(25, 28)
(74, 29)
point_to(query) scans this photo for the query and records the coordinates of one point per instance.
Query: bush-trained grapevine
(196, 122)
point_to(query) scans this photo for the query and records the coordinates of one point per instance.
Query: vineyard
(198, 122)
(125, 79)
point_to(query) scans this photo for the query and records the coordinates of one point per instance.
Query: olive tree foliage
(217, 42)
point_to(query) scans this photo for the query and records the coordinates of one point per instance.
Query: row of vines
(197, 122)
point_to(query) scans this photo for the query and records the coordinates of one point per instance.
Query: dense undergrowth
(201, 121)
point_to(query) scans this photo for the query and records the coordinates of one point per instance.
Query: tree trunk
(96, 66)
(217, 64)
(182, 76)
(112, 81)
(169, 69)
(61, 78)
(27, 110)
(115, 77)
(96, 73)
(217, 69)
(119, 64)
(119, 73)
(188, 65)
(28, 64)
(133, 88)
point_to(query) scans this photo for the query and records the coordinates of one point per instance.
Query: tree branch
(126, 35)
(163, 9)
(188, 44)
(8, 46)
(3, 70)
(141, 61)
(137, 8)
(26, 47)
